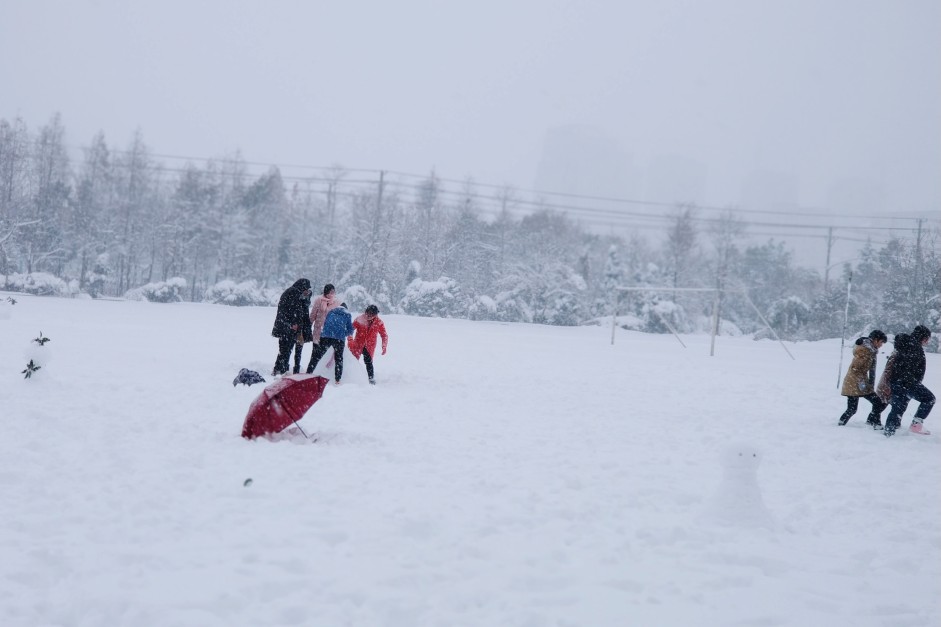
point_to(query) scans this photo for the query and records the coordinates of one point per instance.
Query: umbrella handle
(299, 427)
(276, 407)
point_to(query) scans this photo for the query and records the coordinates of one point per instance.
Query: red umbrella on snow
(282, 403)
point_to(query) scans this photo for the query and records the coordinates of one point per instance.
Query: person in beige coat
(860, 379)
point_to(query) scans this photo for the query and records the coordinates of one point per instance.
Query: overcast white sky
(821, 92)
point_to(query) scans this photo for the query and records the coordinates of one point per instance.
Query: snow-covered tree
(680, 246)
(89, 215)
(435, 299)
(43, 234)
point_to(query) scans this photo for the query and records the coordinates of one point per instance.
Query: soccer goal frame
(717, 291)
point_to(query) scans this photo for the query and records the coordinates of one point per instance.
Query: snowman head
(741, 456)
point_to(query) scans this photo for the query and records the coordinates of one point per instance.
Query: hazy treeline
(118, 219)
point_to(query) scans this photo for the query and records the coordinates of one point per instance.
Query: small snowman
(737, 500)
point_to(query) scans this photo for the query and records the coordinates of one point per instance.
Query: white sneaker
(919, 427)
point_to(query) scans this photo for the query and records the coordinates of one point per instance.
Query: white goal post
(715, 311)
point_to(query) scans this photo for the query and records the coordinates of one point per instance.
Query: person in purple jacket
(336, 328)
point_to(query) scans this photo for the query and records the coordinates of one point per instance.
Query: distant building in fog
(770, 191)
(675, 179)
(857, 196)
(579, 159)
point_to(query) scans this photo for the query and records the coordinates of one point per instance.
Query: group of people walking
(326, 324)
(901, 380)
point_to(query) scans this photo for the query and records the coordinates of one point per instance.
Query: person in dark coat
(860, 380)
(336, 328)
(304, 335)
(290, 321)
(904, 373)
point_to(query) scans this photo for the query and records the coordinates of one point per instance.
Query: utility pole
(331, 201)
(382, 177)
(826, 272)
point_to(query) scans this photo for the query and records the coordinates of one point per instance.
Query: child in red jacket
(366, 327)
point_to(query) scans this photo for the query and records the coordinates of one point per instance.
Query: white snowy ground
(498, 475)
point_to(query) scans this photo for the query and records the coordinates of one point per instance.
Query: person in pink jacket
(319, 309)
(366, 327)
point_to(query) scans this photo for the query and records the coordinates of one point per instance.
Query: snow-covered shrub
(96, 279)
(39, 283)
(482, 307)
(546, 293)
(384, 299)
(244, 294)
(513, 306)
(413, 272)
(170, 291)
(660, 315)
(562, 306)
(788, 315)
(433, 299)
(703, 324)
(356, 298)
(557, 298)
(631, 322)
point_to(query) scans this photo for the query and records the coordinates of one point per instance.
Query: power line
(590, 213)
(595, 216)
(650, 203)
(333, 177)
(632, 221)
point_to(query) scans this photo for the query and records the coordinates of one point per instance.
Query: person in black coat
(303, 336)
(906, 372)
(291, 323)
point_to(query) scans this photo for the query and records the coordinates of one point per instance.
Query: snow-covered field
(497, 475)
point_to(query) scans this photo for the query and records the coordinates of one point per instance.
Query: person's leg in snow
(284, 355)
(338, 346)
(925, 400)
(899, 402)
(875, 415)
(298, 352)
(367, 359)
(317, 351)
(327, 343)
(852, 404)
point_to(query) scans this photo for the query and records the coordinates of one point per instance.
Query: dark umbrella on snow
(282, 403)
(247, 377)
